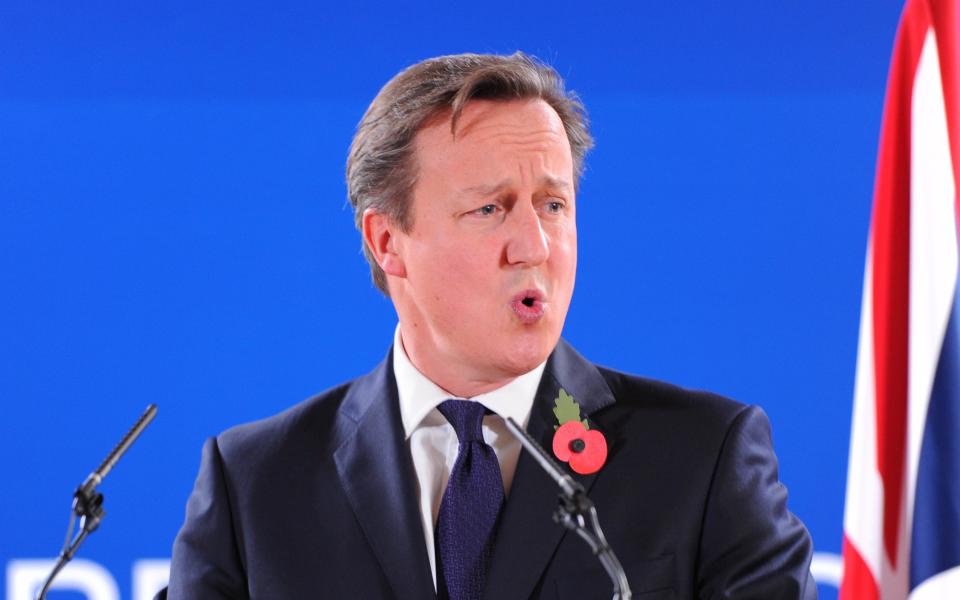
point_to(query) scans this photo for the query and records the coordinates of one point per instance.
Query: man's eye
(554, 207)
(487, 210)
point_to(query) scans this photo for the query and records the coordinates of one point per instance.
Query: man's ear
(380, 236)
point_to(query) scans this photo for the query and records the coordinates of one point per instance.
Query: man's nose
(528, 244)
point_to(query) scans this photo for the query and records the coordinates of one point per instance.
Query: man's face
(490, 260)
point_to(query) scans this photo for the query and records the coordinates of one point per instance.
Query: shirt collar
(418, 395)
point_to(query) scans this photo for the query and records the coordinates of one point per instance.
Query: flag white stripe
(863, 516)
(933, 253)
(939, 587)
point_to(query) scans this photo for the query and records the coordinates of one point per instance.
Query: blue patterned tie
(471, 503)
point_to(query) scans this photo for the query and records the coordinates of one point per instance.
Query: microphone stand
(577, 512)
(88, 502)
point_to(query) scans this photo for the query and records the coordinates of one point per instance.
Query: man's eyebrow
(484, 190)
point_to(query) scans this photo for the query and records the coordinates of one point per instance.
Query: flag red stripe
(891, 268)
(858, 582)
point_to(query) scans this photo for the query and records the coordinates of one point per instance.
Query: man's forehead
(487, 126)
(480, 113)
(546, 181)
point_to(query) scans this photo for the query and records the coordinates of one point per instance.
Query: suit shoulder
(635, 393)
(299, 427)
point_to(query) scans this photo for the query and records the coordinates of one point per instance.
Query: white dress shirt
(433, 442)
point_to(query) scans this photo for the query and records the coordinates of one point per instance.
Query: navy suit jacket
(320, 501)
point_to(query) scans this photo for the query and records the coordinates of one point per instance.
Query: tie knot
(466, 418)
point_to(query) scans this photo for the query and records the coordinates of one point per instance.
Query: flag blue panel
(935, 544)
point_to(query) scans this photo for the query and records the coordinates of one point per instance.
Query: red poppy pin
(574, 442)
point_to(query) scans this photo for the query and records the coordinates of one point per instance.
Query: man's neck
(459, 382)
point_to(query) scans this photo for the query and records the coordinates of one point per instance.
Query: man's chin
(528, 355)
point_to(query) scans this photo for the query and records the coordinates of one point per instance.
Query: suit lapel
(527, 535)
(377, 474)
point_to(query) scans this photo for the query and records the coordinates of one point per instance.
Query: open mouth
(528, 306)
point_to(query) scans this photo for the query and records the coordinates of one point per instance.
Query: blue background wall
(174, 229)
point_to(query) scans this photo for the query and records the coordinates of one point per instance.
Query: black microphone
(88, 502)
(85, 497)
(567, 484)
(576, 511)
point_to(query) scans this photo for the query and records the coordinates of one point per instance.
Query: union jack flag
(902, 513)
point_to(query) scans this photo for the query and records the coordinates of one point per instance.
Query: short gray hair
(381, 167)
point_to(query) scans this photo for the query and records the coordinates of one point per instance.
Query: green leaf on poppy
(566, 409)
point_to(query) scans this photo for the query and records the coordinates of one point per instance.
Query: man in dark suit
(404, 483)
